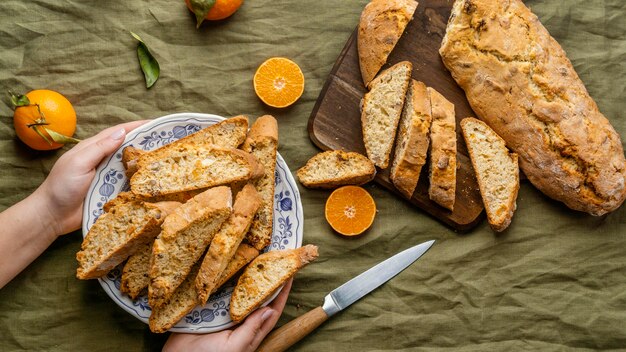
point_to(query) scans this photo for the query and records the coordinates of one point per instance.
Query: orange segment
(279, 82)
(350, 210)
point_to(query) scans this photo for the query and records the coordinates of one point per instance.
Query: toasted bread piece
(135, 274)
(380, 27)
(442, 168)
(335, 168)
(244, 255)
(119, 233)
(262, 143)
(125, 197)
(382, 107)
(412, 140)
(190, 167)
(182, 301)
(184, 237)
(266, 274)
(497, 171)
(226, 241)
(130, 155)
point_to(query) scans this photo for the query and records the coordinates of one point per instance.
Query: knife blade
(342, 297)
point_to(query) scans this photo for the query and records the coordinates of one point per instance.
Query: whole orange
(221, 10)
(57, 112)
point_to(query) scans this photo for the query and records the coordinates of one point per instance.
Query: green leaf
(148, 63)
(18, 100)
(200, 8)
(60, 138)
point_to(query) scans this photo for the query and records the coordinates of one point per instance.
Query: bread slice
(442, 168)
(496, 169)
(262, 143)
(182, 301)
(244, 255)
(130, 155)
(380, 27)
(335, 168)
(412, 141)
(266, 274)
(119, 233)
(226, 241)
(184, 237)
(125, 197)
(190, 167)
(135, 274)
(382, 107)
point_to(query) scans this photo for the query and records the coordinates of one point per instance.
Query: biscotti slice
(119, 233)
(244, 255)
(130, 155)
(125, 197)
(380, 27)
(226, 241)
(266, 274)
(183, 239)
(382, 107)
(413, 139)
(518, 80)
(335, 168)
(442, 168)
(182, 301)
(262, 143)
(496, 169)
(191, 167)
(135, 274)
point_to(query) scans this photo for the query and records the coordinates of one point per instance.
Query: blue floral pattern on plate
(111, 180)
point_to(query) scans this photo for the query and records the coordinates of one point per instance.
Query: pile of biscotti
(522, 86)
(179, 232)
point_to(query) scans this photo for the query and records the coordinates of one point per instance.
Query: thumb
(249, 335)
(92, 154)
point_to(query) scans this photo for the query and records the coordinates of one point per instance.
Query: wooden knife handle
(292, 332)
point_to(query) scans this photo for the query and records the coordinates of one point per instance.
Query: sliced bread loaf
(382, 107)
(496, 169)
(226, 241)
(380, 27)
(442, 168)
(182, 301)
(190, 167)
(266, 274)
(118, 234)
(184, 237)
(335, 168)
(262, 143)
(244, 255)
(412, 140)
(135, 274)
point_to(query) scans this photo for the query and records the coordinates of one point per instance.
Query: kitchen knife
(341, 297)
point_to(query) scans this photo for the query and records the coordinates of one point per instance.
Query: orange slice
(279, 82)
(350, 210)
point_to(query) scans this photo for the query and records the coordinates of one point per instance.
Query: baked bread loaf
(518, 80)
(266, 274)
(381, 25)
(382, 107)
(182, 301)
(496, 170)
(412, 141)
(442, 168)
(189, 167)
(262, 143)
(135, 274)
(119, 233)
(244, 255)
(183, 239)
(226, 241)
(335, 168)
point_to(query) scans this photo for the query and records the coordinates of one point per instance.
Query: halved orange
(350, 210)
(278, 82)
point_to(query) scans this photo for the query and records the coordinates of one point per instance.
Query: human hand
(64, 190)
(243, 338)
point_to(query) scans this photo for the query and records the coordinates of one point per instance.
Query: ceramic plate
(111, 180)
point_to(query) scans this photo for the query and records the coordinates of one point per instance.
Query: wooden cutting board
(335, 122)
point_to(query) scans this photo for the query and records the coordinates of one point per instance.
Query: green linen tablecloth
(555, 281)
